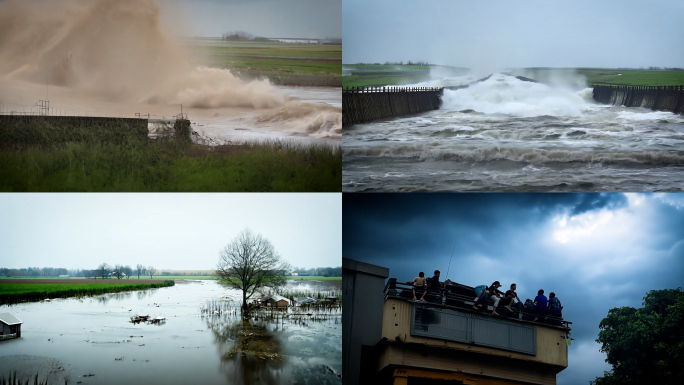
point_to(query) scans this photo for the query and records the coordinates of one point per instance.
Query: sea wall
(666, 98)
(361, 105)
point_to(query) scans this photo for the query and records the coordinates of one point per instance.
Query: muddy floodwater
(204, 339)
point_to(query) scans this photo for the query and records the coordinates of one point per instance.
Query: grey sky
(595, 251)
(501, 33)
(268, 18)
(168, 231)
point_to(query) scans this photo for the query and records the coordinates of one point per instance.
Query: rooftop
(9, 319)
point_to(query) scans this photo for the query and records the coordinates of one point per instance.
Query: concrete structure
(11, 326)
(362, 301)
(667, 98)
(360, 105)
(445, 341)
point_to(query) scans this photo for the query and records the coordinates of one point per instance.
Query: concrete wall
(362, 301)
(551, 345)
(361, 105)
(669, 98)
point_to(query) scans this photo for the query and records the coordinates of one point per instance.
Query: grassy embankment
(378, 75)
(47, 156)
(612, 76)
(23, 292)
(282, 63)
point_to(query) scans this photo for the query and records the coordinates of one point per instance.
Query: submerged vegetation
(26, 292)
(45, 155)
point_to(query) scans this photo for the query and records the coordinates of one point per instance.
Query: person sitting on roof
(434, 281)
(510, 297)
(541, 303)
(485, 293)
(555, 307)
(419, 282)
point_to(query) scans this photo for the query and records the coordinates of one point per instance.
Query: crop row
(15, 293)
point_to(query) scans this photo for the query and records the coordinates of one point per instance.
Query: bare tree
(103, 269)
(250, 262)
(151, 270)
(118, 270)
(141, 270)
(128, 271)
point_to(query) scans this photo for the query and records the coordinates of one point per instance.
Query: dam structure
(367, 104)
(390, 339)
(664, 98)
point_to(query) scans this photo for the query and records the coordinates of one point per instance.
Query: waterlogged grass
(23, 292)
(41, 159)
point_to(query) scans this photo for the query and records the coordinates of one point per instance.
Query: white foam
(502, 94)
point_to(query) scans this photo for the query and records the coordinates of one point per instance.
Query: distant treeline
(104, 270)
(242, 36)
(120, 271)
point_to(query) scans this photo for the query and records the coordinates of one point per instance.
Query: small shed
(277, 301)
(11, 326)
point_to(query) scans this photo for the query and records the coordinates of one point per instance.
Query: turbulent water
(506, 134)
(117, 58)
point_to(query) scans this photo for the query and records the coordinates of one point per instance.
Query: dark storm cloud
(595, 251)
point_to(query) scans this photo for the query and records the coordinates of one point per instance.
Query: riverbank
(49, 156)
(23, 290)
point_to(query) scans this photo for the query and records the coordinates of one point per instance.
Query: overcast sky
(596, 252)
(168, 231)
(268, 18)
(503, 33)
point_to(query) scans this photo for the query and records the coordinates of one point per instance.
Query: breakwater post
(366, 104)
(664, 98)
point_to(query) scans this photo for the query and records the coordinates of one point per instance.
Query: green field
(35, 156)
(378, 75)
(282, 63)
(611, 76)
(22, 292)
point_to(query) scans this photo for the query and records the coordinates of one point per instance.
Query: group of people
(541, 305)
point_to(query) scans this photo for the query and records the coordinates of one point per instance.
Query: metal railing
(455, 295)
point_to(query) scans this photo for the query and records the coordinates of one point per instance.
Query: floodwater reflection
(250, 352)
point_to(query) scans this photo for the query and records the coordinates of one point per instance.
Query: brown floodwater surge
(115, 58)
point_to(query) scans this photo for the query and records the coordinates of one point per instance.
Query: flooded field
(204, 339)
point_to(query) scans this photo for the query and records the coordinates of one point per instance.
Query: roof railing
(462, 297)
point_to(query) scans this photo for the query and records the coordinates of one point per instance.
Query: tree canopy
(250, 262)
(645, 345)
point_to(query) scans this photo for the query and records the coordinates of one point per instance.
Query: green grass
(37, 157)
(610, 76)
(633, 77)
(282, 63)
(378, 75)
(21, 292)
